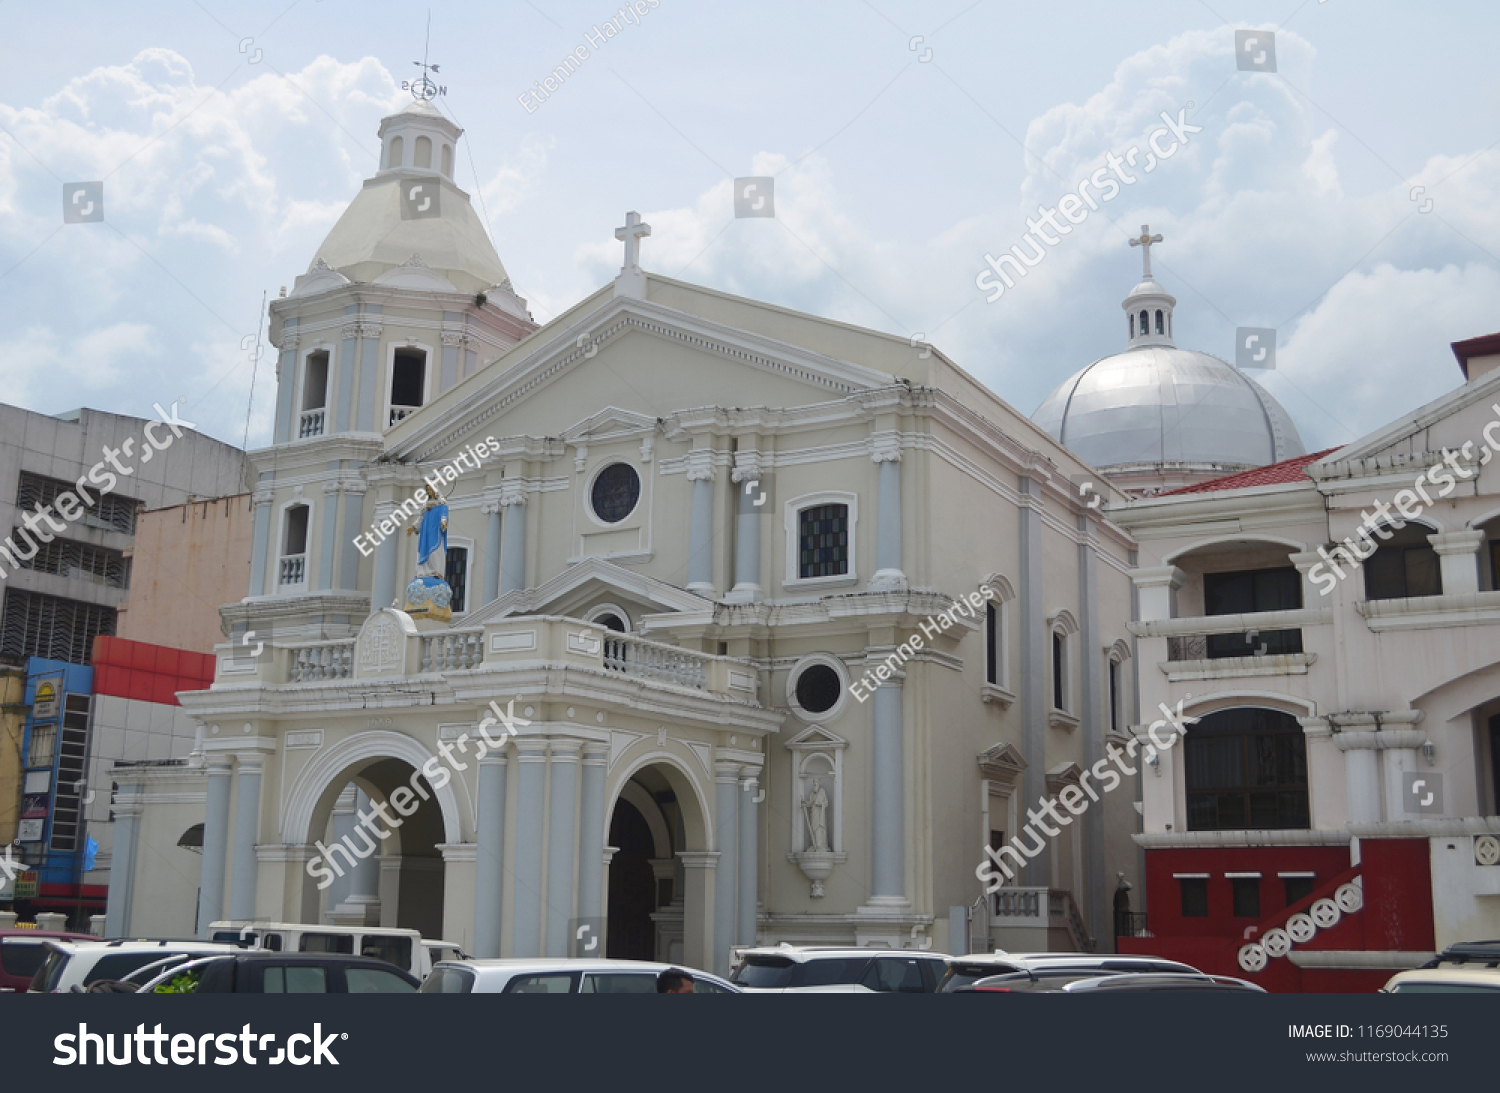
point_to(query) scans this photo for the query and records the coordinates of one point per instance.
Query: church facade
(755, 626)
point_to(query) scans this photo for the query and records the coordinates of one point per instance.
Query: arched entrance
(653, 911)
(373, 825)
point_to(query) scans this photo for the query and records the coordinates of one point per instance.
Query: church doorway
(385, 865)
(632, 886)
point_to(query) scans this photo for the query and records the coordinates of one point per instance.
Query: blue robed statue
(428, 595)
(432, 539)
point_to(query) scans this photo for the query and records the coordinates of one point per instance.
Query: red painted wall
(1164, 894)
(148, 673)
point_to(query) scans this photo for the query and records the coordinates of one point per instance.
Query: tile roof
(1288, 470)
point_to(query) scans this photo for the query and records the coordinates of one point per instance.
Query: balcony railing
(453, 650)
(401, 413)
(325, 660)
(649, 660)
(312, 424)
(1131, 924)
(293, 569)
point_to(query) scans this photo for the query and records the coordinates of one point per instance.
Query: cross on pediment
(632, 232)
(1144, 241)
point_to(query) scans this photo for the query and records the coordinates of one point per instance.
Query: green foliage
(186, 983)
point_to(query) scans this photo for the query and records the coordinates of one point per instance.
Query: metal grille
(823, 541)
(109, 511)
(84, 561)
(72, 768)
(35, 625)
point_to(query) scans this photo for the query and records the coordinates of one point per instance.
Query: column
(562, 845)
(364, 898)
(383, 588)
(726, 838)
(526, 928)
(329, 517)
(701, 529)
(215, 845)
(286, 385)
(1034, 651)
(1458, 555)
(889, 575)
(749, 854)
(591, 821)
(341, 825)
(698, 867)
(1158, 587)
(127, 811)
(1095, 725)
(246, 835)
(748, 486)
(491, 510)
(489, 855)
(888, 787)
(513, 552)
(261, 541)
(354, 513)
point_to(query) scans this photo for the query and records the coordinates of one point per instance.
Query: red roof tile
(1288, 470)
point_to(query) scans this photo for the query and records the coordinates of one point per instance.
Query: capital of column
(263, 495)
(362, 328)
(532, 749)
(595, 755)
(747, 467)
(698, 859)
(512, 493)
(457, 338)
(290, 340)
(1456, 542)
(727, 772)
(701, 465)
(1165, 576)
(887, 450)
(564, 750)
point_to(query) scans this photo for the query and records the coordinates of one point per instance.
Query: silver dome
(1156, 404)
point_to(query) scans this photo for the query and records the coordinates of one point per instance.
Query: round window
(818, 688)
(616, 491)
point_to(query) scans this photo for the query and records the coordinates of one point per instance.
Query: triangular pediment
(1003, 762)
(817, 738)
(584, 582)
(611, 423)
(1064, 774)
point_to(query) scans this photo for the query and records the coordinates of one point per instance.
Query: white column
(513, 552)
(701, 530)
(1158, 588)
(591, 821)
(383, 589)
(749, 856)
(726, 838)
(246, 834)
(531, 771)
(489, 855)
(888, 786)
(341, 824)
(1458, 555)
(491, 585)
(562, 845)
(748, 486)
(127, 809)
(215, 845)
(888, 575)
(260, 541)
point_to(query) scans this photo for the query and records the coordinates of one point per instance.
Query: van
(406, 949)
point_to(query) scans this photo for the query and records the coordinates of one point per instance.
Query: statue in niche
(815, 812)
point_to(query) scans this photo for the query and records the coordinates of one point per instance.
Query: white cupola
(417, 141)
(1148, 307)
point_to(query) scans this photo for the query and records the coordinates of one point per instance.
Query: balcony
(1037, 920)
(292, 572)
(311, 424)
(401, 413)
(1204, 647)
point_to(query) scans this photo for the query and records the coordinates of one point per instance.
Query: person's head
(674, 981)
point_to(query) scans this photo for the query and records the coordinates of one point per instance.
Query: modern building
(1155, 417)
(71, 487)
(774, 623)
(1333, 622)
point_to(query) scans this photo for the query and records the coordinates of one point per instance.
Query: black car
(285, 973)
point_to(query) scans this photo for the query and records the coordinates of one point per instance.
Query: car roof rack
(1468, 952)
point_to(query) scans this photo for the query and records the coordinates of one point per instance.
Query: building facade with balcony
(777, 623)
(1333, 623)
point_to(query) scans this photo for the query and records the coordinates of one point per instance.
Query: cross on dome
(632, 232)
(1144, 241)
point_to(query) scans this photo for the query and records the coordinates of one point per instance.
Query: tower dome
(1156, 417)
(412, 207)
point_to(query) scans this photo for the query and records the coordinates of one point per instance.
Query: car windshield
(779, 972)
(962, 975)
(48, 974)
(22, 957)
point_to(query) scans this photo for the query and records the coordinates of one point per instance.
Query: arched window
(293, 569)
(408, 382)
(1246, 769)
(314, 394)
(393, 158)
(448, 160)
(1160, 325)
(1403, 565)
(424, 152)
(1132, 326)
(1145, 322)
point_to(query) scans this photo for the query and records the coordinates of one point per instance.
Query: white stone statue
(815, 810)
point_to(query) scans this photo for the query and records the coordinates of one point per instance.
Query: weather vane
(423, 89)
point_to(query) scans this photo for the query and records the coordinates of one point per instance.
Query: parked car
(22, 952)
(406, 949)
(559, 976)
(1470, 967)
(964, 971)
(74, 965)
(262, 972)
(786, 969)
(1158, 983)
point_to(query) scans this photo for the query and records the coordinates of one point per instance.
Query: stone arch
(1292, 545)
(697, 821)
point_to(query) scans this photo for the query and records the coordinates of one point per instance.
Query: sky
(1346, 200)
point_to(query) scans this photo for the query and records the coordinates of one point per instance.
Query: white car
(528, 975)
(72, 965)
(964, 971)
(787, 969)
(406, 949)
(1470, 967)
